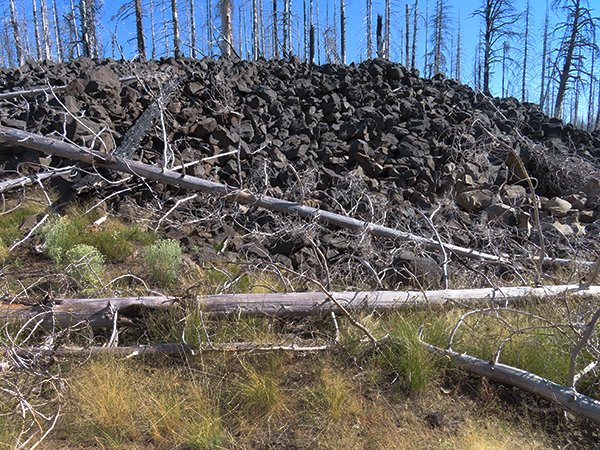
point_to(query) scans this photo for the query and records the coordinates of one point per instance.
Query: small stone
(504, 213)
(593, 184)
(577, 201)
(514, 195)
(557, 207)
(434, 419)
(475, 200)
(587, 216)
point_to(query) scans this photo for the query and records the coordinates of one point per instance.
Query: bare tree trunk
(458, 56)
(152, 29)
(209, 25)
(91, 26)
(226, 7)
(192, 29)
(425, 69)
(305, 12)
(165, 30)
(318, 35)
(139, 26)
(380, 50)
(16, 33)
(36, 31)
(86, 39)
(590, 117)
(311, 27)
(274, 25)
(255, 31)
(369, 29)
(437, 50)
(407, 34)
(525, 54)
(597, 126)
(59, 43)
(414, 37)
(176, 44)
(566, 70)
(286, 28)
(46, 39)
(73, 28)
(343, 30)
(505, 50)
(261, 29)
(312, 45)
(245, 30)
(544, 56)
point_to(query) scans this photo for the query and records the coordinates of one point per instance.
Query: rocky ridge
(373, 141)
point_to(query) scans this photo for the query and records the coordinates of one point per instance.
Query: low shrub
(163, 260)
(84, 264)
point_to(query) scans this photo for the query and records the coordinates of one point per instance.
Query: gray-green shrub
(163, 260)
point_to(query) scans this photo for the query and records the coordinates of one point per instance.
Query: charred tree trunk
(525, 54)
(139, 26)
(380, 49)
(192, 29)
(369, 29)
(544, 56)
(407, 35)
(414, 36)
(343, 30)
(566, 69)
(274, 26)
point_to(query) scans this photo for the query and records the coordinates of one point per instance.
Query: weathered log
(100, 312)
(299, 304)
(32, 92)
(95, 312)
(52, 146)
(567, 398)
(162, 349)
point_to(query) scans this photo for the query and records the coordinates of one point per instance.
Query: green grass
(114, 240)
(11, 222)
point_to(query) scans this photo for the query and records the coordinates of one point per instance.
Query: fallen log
(97, 312)
(43, 144)
(569, 399)
(301, 304)
(160, 349)
(100, 312)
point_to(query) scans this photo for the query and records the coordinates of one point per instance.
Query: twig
(175, 206)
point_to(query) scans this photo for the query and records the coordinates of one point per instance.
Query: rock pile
(374, 141)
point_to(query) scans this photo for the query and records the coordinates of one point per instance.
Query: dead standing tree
(579, 26)
(499, 19)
